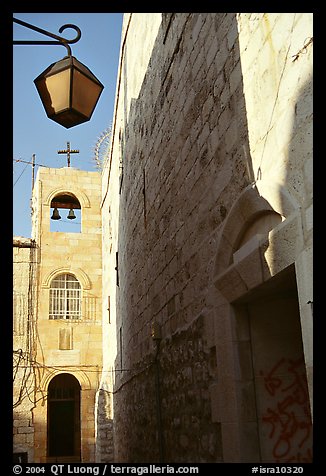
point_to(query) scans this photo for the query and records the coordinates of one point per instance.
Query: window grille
(65, 297)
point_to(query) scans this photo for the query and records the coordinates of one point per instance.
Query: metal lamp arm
(61, 40)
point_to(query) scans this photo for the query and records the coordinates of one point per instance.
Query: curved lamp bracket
(60, 39)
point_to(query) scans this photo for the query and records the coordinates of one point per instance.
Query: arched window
(65, 297)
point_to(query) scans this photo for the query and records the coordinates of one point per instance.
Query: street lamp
(69, 91)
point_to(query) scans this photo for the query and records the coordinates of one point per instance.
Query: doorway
(64, 418)
(269, 318)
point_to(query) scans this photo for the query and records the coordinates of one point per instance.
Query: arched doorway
(63, 422)
(265, 319)
(272, 379)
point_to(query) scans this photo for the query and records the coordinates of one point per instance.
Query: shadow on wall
(296, 437)
(23, 437)
(286, 420)
(186, 161)
(188, 181)
(267, 276)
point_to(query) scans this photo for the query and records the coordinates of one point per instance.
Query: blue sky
(33, 132)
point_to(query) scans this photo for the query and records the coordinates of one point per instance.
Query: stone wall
(104, 427)
(176, 164)
(24, 267)
(187, 367)
(200, 165)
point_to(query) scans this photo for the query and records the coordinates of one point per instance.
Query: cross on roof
(68, 151)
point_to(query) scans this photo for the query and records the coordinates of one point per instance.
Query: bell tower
(66, 226)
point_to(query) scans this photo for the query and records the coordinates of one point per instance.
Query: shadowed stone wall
(201, 195)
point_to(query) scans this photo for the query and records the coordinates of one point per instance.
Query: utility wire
(20, 175)
(31, 163)
(40, 165)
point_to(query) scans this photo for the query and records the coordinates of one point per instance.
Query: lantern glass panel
(85, 93)
(55, 91)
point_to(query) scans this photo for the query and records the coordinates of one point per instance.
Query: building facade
(207, 237)
(66, 363)
(24, 335)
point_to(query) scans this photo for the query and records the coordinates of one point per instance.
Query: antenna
(101, 149)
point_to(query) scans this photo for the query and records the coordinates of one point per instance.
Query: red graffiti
(289, 419)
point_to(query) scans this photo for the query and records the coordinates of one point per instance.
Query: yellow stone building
(67, 347)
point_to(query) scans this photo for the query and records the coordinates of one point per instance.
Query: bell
(55, 215)
(71, 215)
